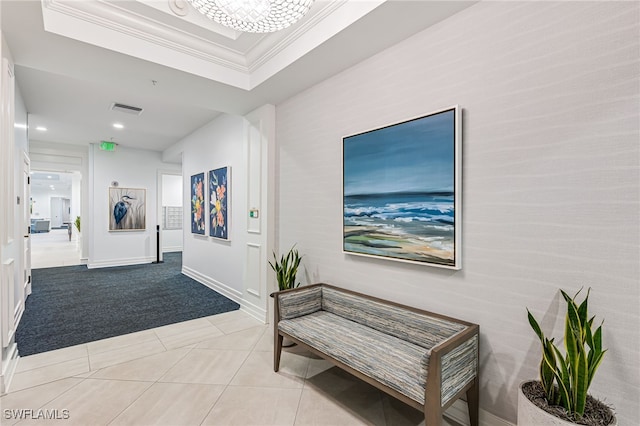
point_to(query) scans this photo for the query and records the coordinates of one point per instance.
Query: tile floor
(209, 371)
(53, 248)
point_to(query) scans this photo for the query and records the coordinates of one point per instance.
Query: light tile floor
(53, 248)
(210, 371)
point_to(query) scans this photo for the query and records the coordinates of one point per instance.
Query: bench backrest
(415, 327)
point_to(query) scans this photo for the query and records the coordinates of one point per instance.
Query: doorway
(170, 200)
(54, 207)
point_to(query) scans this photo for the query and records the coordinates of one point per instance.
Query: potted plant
(560, 396)
(286, 269)
(77, 223)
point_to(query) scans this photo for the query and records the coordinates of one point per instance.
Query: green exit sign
(108, 146)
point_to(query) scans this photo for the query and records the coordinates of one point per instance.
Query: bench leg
(277, 351)
(432, 415)
(473, 403)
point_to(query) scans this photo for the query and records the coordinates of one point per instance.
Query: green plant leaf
(535, 326)
(566, 379)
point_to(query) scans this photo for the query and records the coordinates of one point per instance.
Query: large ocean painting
(402, 191)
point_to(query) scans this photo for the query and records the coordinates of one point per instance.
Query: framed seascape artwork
(219, 180)
(402, 191)
(127, 209)
(197, 204)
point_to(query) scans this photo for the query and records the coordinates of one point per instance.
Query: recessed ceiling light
(41, 128)
(118, 126)
(49, 177)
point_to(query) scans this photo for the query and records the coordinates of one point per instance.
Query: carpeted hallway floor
(72, 305)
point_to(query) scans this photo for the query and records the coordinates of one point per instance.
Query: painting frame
(219, 196)
(127, 209)
(402, 190)
(198, 202)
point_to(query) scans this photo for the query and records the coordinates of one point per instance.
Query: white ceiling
(52, 181)
(182, 70)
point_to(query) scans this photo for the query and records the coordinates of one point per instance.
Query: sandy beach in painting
(416, 227)
(366, 240)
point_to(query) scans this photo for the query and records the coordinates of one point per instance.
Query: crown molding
(117, 26)
(114, 17)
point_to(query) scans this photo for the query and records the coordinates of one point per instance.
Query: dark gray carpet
(72, 305)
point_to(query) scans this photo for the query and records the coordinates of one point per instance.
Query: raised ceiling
(74, 59)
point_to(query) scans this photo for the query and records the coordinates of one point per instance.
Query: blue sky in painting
(415, 156)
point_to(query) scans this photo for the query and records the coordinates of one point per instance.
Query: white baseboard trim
(9, 367)
(215, 285)
(233, 294)
(171, 249)
(120, 262)
(460, 414)
(84, 260)
(254, 311)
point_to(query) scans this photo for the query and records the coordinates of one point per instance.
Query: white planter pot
(531, 415)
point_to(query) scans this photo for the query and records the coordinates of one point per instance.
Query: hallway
(53, 248)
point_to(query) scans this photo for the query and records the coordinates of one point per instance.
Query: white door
(66, 210)
(56, 212)
(26, 211)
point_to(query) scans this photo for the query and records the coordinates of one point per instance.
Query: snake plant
(286, 269)
(566, 378)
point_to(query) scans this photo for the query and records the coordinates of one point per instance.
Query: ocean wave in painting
(414, 226)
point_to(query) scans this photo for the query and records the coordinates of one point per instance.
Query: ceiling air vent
(126, 108)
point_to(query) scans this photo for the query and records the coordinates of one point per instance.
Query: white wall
(216, 262)
(131, 168)
(42, 201)
(550, 179)
(172, 197)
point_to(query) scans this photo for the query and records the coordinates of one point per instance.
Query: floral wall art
(219, 202)
(197, 204)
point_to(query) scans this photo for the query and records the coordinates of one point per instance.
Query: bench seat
(394, 362)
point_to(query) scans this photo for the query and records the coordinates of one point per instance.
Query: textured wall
(216, 144)
(550, 93)
(131, 168)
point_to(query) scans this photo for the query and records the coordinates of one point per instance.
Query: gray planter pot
(530, 414)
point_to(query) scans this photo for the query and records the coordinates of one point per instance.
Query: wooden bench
(423, 359)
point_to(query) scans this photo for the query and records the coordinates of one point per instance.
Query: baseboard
(460, 414)
(120, 262)
(9, 368)
(215, 285)
(225, 290)
(253, 310)
(171, 249)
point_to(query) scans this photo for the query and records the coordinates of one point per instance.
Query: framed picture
(402, 191)
(197, 204)
(219, 187)
(127, 209)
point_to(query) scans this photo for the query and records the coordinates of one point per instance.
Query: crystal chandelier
(253, 16)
